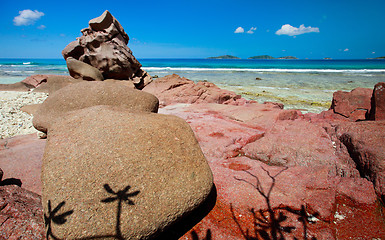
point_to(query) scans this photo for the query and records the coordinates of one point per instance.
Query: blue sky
(338, 29)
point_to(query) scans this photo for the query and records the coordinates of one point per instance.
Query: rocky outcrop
(118, 174)
(354, 105)
(281, 171)
(88, 94)
(104, 46)
(365, 143)
(377, 111)
(21, 214)
(175, 89)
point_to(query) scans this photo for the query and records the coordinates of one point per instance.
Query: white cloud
(27, 17)
(41, 27)
(346, 49)
(252, 29)
(289, 30)
(239, 30)
(373, 52)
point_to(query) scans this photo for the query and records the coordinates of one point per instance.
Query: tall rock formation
(104, 46)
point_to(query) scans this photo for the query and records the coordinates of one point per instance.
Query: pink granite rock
(308, 187)
(365, 143)
(21, 214)
(35, 80)
(175, 89)
(347, 103)
(378, 102)
(104, 46)
(20, 158)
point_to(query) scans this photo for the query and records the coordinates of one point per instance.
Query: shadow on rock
(271, 223)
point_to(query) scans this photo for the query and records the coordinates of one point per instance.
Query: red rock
(308, 187)
(175, 89)
(378, 102)
(21, 214)
(35, 80)
(20, 158)
(346, 103)
(365, 143)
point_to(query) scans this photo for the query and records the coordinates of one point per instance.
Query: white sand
(12, 120)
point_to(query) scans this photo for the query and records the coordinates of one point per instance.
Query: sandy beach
(13, 121)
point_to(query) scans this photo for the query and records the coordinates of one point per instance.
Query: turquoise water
(301, 84)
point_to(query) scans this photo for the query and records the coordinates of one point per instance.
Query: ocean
(298, 84)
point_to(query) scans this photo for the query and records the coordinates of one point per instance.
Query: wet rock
(121, 174)
(88, 94)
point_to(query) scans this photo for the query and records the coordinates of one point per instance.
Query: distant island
(380, 57)
(262, 57)
(224, 57)
(270, 57)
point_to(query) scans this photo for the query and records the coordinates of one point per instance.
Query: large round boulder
(87, 94)
(116, 174)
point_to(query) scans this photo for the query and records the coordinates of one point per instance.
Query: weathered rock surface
(299, 143)
(52, 83)
(120, 174)
(104, 46)
(330, 206)
(88, 94)
(175, 89)
(354, 105)
(79, 69)
(20, 158)
(35, 80)
(378, 102)
(365, 143)
(21, 214)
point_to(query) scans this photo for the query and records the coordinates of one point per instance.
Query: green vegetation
(224, 57)
(380, 57)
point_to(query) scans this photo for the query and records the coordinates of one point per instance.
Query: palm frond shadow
(121, 196)
(269, 223)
